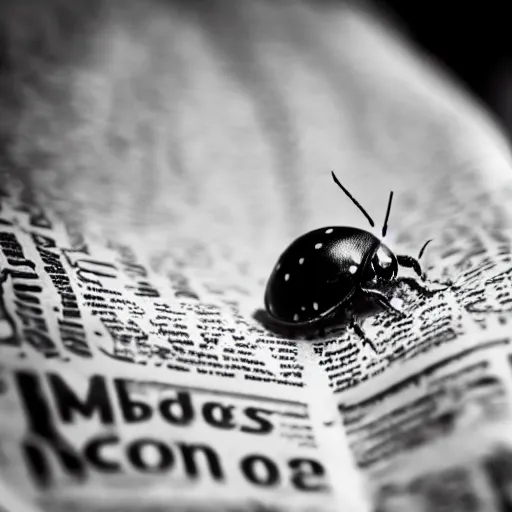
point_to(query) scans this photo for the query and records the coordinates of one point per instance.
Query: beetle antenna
(423, 248)
(385, 226)
(370, 220)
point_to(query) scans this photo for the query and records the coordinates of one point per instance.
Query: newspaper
(134, 372)
(116, 381)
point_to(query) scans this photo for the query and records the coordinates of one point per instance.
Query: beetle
(333, 270)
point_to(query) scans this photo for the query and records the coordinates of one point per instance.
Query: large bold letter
(42, 431)
(97, 399)
(179, 410)
(189, 450)
(92, 452)
(163, 460)
(308, 475)
(133, 410)
(260, 470)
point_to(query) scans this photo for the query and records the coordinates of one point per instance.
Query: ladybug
(333, 270)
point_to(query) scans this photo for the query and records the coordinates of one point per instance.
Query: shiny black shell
(318, 273)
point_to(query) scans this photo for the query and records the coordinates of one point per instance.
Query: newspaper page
(124, 389)
(428, 420)
(148, 188)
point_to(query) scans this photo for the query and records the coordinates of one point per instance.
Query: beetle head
(382, 267)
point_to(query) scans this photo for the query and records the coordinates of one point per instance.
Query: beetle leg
(383, 300)
(410, 262)
(354, 324)
(412, 283)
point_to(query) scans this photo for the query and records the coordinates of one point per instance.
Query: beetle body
(332, 270)
(320, 272)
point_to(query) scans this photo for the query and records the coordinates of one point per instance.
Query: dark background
(473, 40)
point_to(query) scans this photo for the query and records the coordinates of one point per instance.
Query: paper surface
(134, 252)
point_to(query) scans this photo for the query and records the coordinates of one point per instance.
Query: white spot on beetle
(286, 277)
(303, 308)
(295, 317)
(315, 306)
(397, 303)
(278, 266)
(352, 269)
(329, 231)
(301, 261)
(318, 246)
